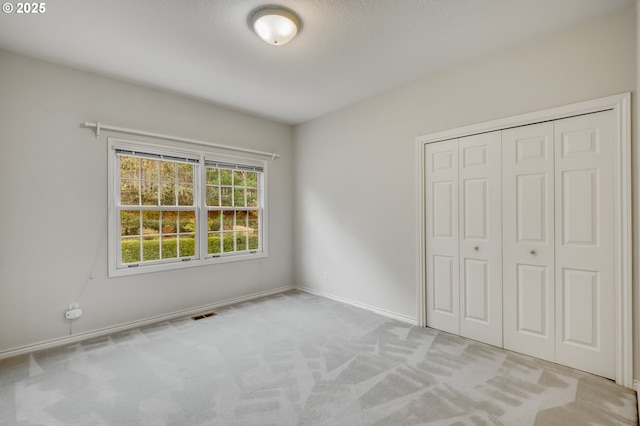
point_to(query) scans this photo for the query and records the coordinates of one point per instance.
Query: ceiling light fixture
(274, 24)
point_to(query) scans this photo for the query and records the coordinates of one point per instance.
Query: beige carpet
(297, 359)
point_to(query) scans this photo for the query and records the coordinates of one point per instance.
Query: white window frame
(201, 258)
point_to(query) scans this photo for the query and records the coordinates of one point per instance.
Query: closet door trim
(621, 107)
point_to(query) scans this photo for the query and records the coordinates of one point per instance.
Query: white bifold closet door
(464, 261)
(480, 237)
(521, 240)
(558, 242)
(442, 236)
(585, 243)
(528, 240)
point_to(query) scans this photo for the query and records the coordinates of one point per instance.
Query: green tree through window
(158, 215)
(233, 209)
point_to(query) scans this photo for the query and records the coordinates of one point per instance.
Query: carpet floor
(298, 359)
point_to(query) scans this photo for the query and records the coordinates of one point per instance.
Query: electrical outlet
(72, 314)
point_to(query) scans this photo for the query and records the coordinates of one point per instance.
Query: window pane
(253, 219)
(151, 222)
(238, 197)
(225, 196)
(149, 193)
(129, 167)
(228, 242)
(185, 195)
(252, 197)
(213, 176)
(185, 173)
(130, 250)
(168, 194)
(187, 221)
(129, 192)
(214, 220)
(150, 169)
(169, 222)
(169, 247)
(254, 242)
(238, 178)
(130, 223)
(254, 222)
(167, 171)
(227, 222)
(241, 220)
(214, 243)
(213, 196)
(225, 177)
(241, 241)
(252, 179)
(187, 245)
(151, 248)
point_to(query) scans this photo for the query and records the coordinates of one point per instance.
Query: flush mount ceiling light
(274, 24)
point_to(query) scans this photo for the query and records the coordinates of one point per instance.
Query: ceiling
(346, 51)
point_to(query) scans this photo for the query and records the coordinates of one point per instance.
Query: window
(233, 209)
(174, 209)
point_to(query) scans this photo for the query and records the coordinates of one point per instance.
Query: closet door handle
(533, 252)
(476, 248)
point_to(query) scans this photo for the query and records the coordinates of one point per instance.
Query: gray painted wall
(53, 181)
(636, 204)
(355, 199)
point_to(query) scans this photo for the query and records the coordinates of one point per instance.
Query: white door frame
(621, 106)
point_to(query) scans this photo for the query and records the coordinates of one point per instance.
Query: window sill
(115, 272)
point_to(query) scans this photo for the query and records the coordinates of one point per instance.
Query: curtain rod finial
(92, 124)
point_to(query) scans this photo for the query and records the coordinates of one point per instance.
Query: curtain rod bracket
(92, 124)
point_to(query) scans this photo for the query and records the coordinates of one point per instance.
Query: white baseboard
(378, 311)
(74, 338)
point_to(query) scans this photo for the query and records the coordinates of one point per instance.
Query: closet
(520, 246)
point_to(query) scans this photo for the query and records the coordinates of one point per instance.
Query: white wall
(53, 186)
(355, 201)
(636, 205)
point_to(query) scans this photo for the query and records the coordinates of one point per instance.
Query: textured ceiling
(347, 50)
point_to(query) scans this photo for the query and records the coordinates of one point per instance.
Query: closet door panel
(476, 286)
(528, 240)
(442, 236)
(585, 249)
(533, 288)
(480, 238)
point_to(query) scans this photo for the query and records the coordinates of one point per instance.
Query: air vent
(202, 316)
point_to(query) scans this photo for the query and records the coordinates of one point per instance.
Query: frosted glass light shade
(274, 25)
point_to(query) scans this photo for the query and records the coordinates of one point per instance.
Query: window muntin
(171, 206)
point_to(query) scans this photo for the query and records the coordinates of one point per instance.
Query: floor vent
(202, 316)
